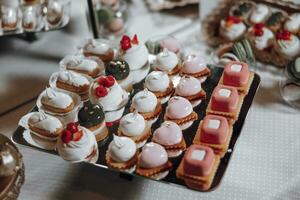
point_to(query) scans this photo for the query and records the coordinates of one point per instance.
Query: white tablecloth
(264, 165)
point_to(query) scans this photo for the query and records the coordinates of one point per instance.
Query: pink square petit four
(236, 74)
(225, 99)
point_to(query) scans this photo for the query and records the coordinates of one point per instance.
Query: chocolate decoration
(276, 18)
(90, 115)
(118, 69)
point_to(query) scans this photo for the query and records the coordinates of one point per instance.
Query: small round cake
(153, 156)
(169, 135)
(293, 23)
(287, 44)
(180, 111)
(232, 28)
(100, 49)
(261, 37)
(167, 61)
(160, 84)
(122, 154)
(172, 44)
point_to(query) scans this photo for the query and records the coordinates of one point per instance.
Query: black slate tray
(188, 134)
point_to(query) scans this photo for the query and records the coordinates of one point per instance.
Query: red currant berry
(72, 127)
(101, 80)
(100, 91)
(110, 81)
(67, 136)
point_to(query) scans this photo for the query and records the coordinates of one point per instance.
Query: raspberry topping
(135, 39)
(232, 20)
(101, 91)
(67, 136)
(283, 35)
(102, 80)
(110, 81)
(125, 42)
(73, 127)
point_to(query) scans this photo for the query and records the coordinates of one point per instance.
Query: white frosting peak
(78, 63)
(157, 81)
(233, 31)
(144, 101)
(45, 122)
(122, 149)
(136, 56)
(132, 124)
(73, 78)
(56, 99)
(166, 60)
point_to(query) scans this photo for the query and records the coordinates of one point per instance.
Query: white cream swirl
(293, 23)
(136, 56)
(233, 31)
(157, 81)
(144, 101)
(56, 99)
(166, 60)
(45, 122)
(289, 48)
(132, 124)
(122, 149)
(264, 41)
(72, 78)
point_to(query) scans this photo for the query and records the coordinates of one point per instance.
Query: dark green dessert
(243, 9)
(275, 19)
(118, 69)
(90, 115)
(293, 70)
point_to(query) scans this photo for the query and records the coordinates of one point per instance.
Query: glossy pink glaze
(224, 104)
(188, 86)
(169, 133)
(152, 155)
(193, 64)
(178, 107)
(198, 167)
(236, 79)
(211, 135)
(171, 44)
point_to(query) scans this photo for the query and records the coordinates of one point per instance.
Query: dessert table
(265, 161)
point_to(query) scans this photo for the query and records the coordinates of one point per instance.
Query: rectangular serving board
(188, 134)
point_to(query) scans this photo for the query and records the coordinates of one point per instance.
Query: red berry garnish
(135, 39)
(100, 91)
(259, 26)
(67, 136)
(101, 80)
(77, 136)
(283, 35)
(109, 124)
(233, 19)
(110, 81)
(73, 127)
(125, 42)
(258, 32)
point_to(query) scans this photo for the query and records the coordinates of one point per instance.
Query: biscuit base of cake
(45, 133)
(104, 57)
(176, 149)
(202, 183)
(243, 89)
(128, 166)
(60, 110)
(200, 75)
(141, 139)
(164, 96)
(219, 149)
(153, 172)
(151, 115)
(196, 98)
(185, 122)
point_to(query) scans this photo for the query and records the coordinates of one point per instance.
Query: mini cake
(134, 53)
(153, 162)
(55, 12)
(122, 154)
(261, 37)
(57, 102)
(242, 10)
(82, 65)
(169, 135)
(260, 14)
(195, 66)
(168, 62)
(287, 44)
(98, 49)
(198, 167)
(91, 116)
(232, 28)
(190, 88)
(225, 101)
(275, 21)
(9, 19)
(160, 84)
(120, 71)
(293, 23)
(73, 82)
(133, 125)
(146, 104)
(215, 132)
(44, 129)
(237, 74)
(180, 111)
(29, 20)
(77, 144)
(172, 44)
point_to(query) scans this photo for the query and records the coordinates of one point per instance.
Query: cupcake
(225, 101)
(292, 24)
(169, 135)
(9, 18)
(92, 117)
(168, 62)
(122, 154)
(261, 37)
(242, 10)
(215, 132)
(287, 44)
(195, 66)
(198, 167)
(190, 88)
(133, 52)
(133, 125)
(108, 93)
(146, 104)
(180, 111)
(119, 69)
(81, 65)
(275, 21)
(77, 144)
(160, 84)
(99, 49)
(232, 28)
(153, 162)
(260, 14)
(55, 12)
(72, 82)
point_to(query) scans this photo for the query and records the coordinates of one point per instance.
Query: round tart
(169, 135)
(122, 154)
(100, 49)
(153, 162)
(133, 125)
(92, 117)
(190, 88)
(160, 84)
(195, 66)
(232, 28)
(77, 144)
(180, 111)
(287, 44)
(146, 104)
